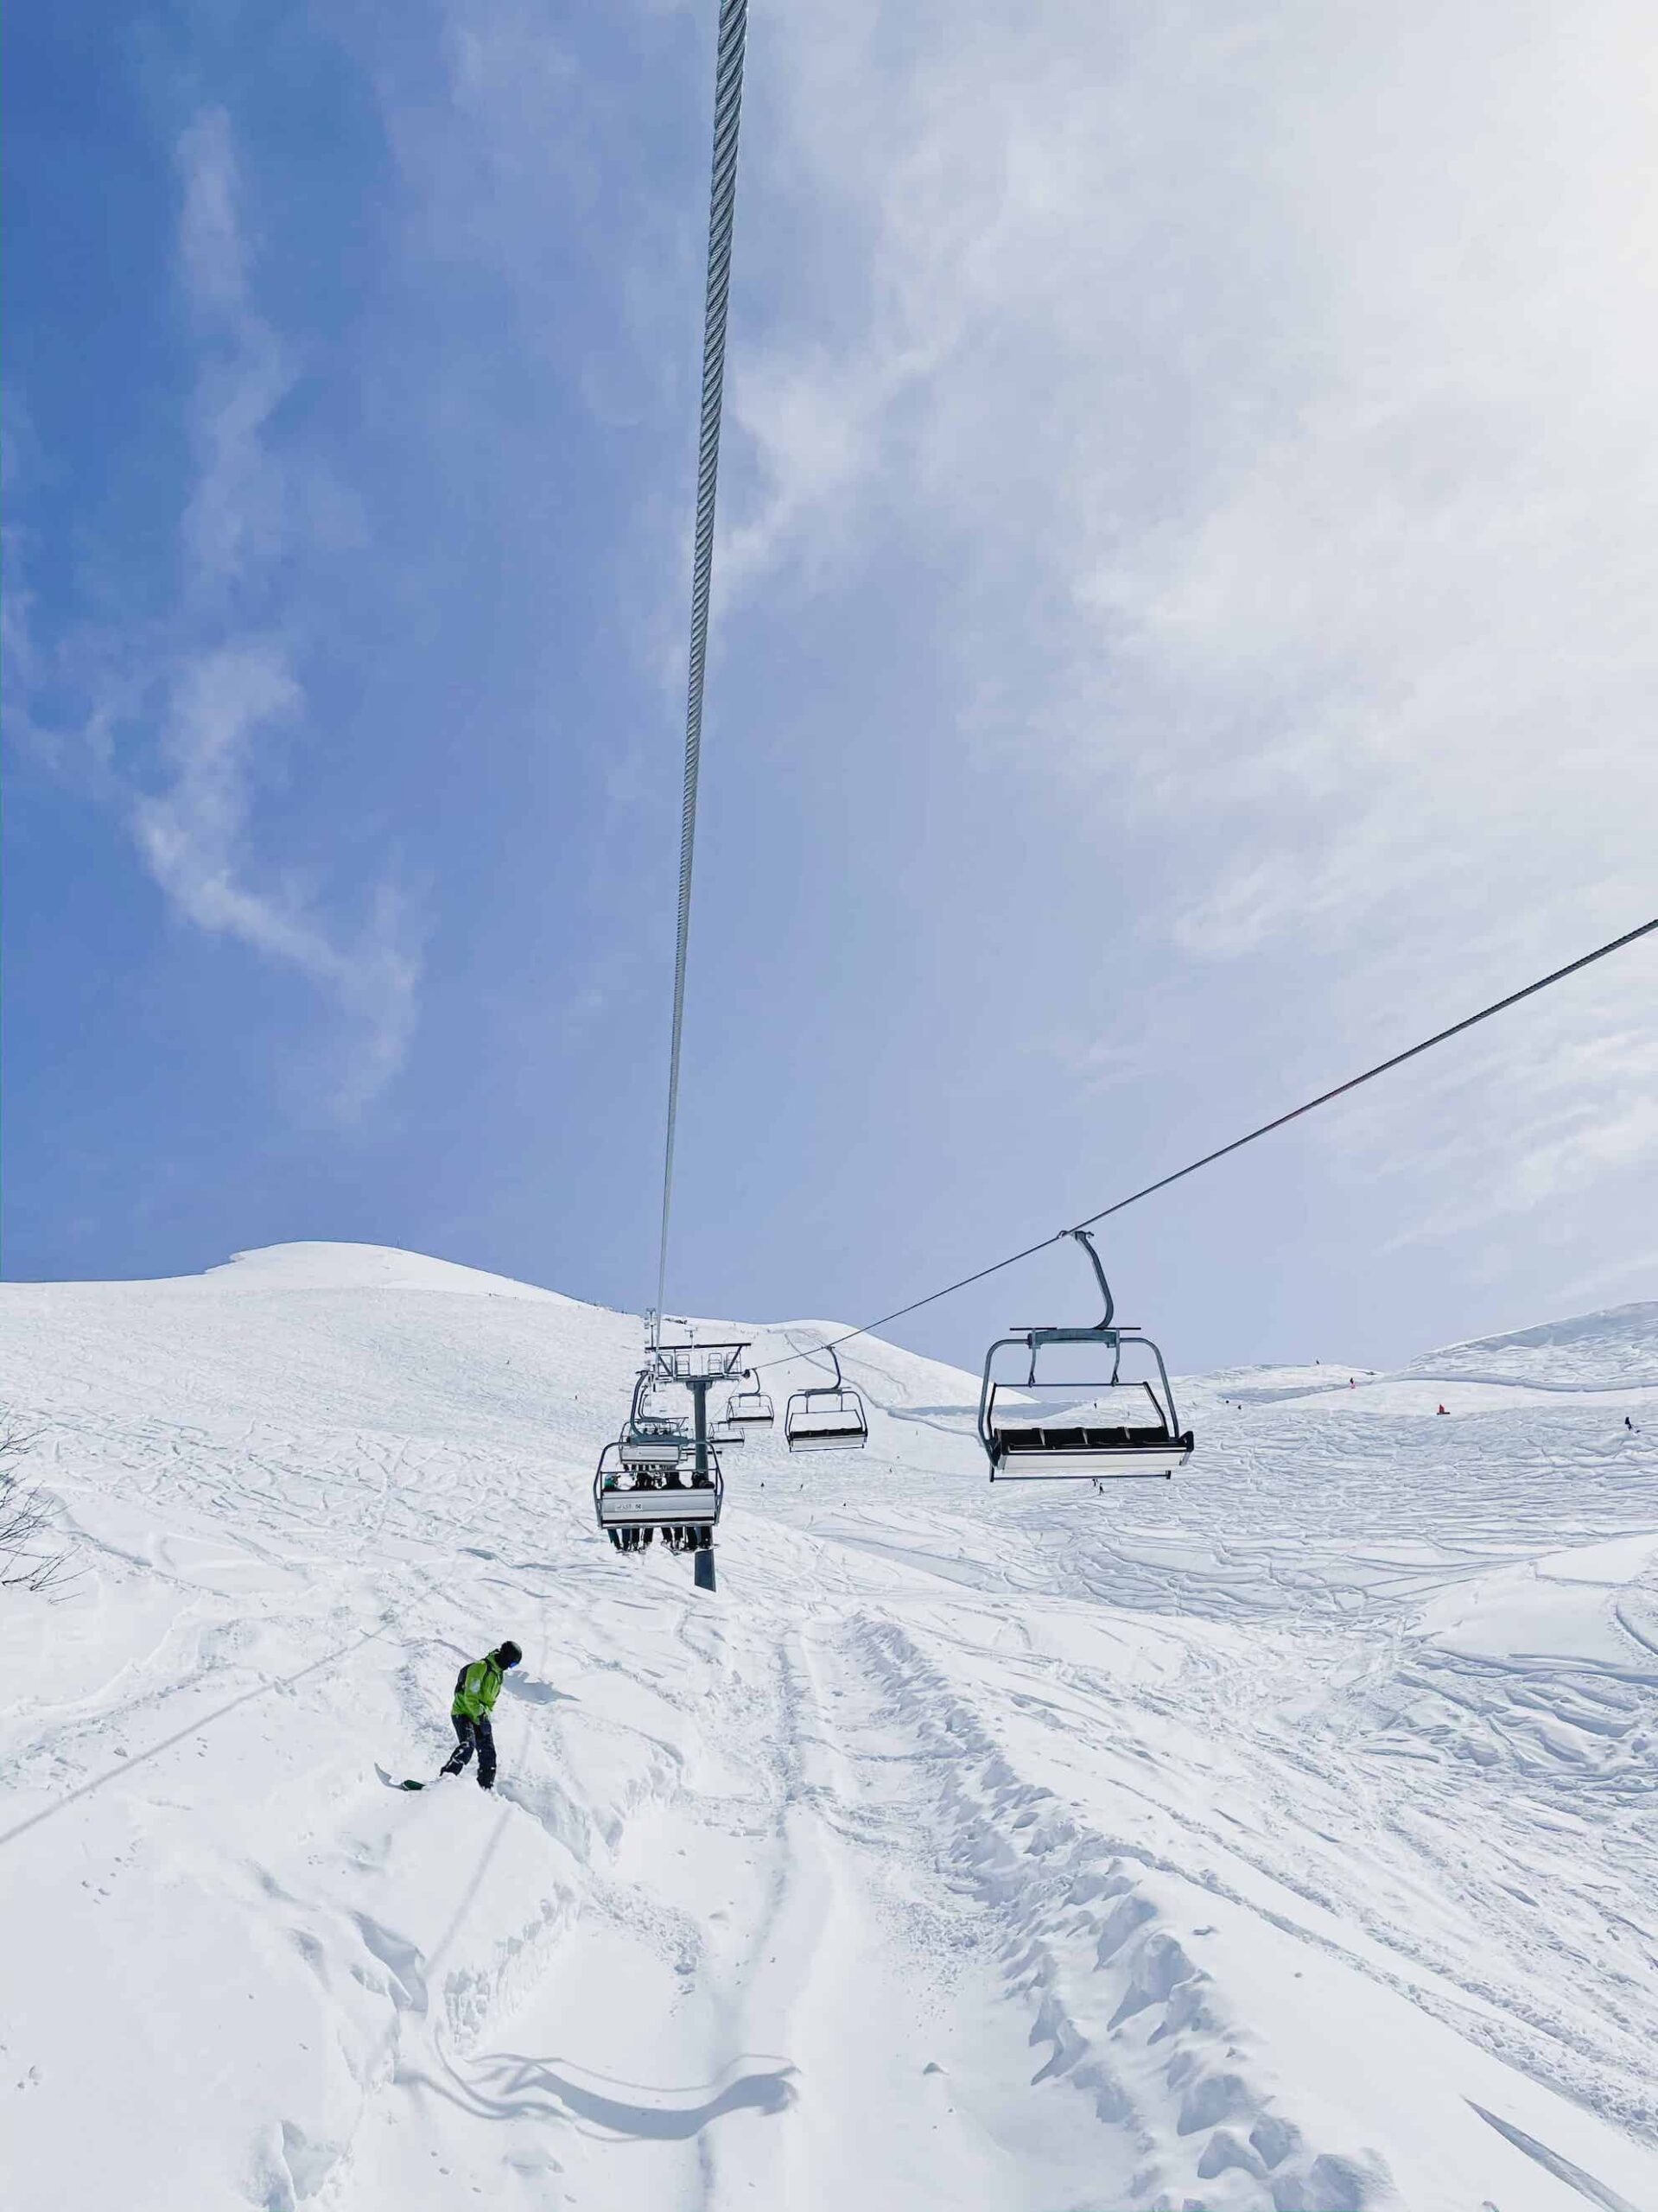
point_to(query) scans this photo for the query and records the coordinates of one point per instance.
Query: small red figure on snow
(1443, 1409)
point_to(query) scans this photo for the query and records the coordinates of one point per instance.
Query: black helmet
(508, 1655)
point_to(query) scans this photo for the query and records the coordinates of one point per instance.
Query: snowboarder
(1631, 1425)
(476, 1689)
(1443, 1409)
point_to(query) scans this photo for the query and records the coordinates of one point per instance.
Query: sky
(1182, 630)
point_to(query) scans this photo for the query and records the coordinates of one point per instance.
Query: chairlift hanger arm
(1087, 1243)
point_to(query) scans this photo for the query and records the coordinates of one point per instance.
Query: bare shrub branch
(29, 1559)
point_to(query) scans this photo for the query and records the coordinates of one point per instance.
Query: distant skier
(1444, 1410)
(476, 1689)
(1631, 1425)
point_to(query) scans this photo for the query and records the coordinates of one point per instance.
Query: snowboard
(392, 1784)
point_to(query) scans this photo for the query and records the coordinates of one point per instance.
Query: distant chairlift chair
(1093, 1429)
(750, 1409)
(829, 1418)
(649, 1443)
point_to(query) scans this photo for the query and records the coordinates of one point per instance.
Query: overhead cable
(723, 197)
(1440, 1036)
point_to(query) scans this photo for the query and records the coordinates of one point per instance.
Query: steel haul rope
(723, 197)
(1497, 1006)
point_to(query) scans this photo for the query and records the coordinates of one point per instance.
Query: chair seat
(1032, 1453)
(1051, 1437)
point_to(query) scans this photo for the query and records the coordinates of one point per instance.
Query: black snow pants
(474, 1735)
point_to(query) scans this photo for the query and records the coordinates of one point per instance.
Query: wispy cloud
(234, 516)
(1270, 391)
(224, 704)
(181, 721)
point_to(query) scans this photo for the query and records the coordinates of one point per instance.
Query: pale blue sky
(1182, 629)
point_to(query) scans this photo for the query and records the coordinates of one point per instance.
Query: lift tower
(698, 1368)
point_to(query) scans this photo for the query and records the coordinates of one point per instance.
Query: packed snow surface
(1279, 1839)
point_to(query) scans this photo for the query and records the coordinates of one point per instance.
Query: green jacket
(477, 1687)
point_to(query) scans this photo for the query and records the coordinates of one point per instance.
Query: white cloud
(1271, 387)
(183, 719)
(233, 517)
(224, 702)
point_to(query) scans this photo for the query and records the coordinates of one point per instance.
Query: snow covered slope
(1615, 1350)
(1276, 1839)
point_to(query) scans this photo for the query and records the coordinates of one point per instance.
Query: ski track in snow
(1276, 1839)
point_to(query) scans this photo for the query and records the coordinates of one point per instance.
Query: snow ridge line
(1508, 2019)
(477, 1998)
(1057, 1890)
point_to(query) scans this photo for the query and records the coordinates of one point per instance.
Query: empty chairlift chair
(649, 1443)
(750, 1409)
(829, 1418)
(1052, 1425)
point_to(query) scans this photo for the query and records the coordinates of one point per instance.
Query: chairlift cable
(1398, 1060)
(1382, 1068)
(723, 194)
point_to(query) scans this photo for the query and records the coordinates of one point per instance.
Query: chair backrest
(825, 1416)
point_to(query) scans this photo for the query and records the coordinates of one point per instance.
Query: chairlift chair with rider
(623, 1497)
(1052, 1426)
(828, 1418)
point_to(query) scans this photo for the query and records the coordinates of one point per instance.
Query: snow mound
(361, 1266)
(1595, 1604)
(1269, 1385)
(1616, 1349)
